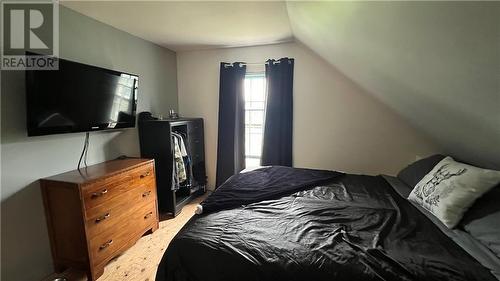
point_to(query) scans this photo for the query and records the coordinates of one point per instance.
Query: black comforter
(352, 228)
(264, 184)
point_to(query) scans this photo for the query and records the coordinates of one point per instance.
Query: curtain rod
(255, 63)
(250, 63)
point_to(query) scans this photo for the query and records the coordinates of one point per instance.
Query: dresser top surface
(98, 171)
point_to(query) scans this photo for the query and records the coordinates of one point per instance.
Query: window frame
(248, 125)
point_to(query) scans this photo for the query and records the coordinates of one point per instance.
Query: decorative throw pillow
(451, 187)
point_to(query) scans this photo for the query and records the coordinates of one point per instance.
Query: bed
(320, 225)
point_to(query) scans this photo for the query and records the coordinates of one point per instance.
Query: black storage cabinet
(156, 142)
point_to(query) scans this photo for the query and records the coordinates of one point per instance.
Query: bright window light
(255, 99)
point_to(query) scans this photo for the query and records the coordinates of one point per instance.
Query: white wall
(337, 125)
(25, 253)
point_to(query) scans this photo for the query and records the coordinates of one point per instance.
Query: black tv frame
(66, 130)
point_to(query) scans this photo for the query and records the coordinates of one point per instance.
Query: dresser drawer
(130, 194)
(106, 244)
(102, 219)
(101, 192)
(96, 213)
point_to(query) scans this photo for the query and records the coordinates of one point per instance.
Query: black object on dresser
(158, 141)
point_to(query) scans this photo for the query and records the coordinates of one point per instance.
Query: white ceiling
(194, 25)
(435, 63)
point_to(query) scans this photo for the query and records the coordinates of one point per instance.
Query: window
(255, 99)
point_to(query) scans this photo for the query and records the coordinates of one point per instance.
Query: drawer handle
(101, 218)
(145, 175)
(145, 194)
(148, 215)
(99, 194)
(105, 245)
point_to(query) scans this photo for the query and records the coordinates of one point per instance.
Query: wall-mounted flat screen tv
(79, 98)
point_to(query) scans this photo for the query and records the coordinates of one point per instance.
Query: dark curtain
(278, 131)
(231, 136)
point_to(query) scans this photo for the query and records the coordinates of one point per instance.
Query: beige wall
(337, 125)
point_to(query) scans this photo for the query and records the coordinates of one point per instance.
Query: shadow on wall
(119, 143)
(24, 239)
(24, 233)
(25, 247)
(439, 111)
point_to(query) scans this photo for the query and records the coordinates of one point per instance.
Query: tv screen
(79, 98)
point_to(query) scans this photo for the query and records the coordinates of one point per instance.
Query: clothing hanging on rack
(187, 162)
(180, 168)
(182, 147)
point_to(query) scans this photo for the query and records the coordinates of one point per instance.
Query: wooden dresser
(95, 213)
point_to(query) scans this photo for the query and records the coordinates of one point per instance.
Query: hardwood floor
(139, 263)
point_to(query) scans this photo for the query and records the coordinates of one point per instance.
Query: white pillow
(451, 187)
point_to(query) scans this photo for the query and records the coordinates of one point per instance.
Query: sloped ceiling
(436, 63)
